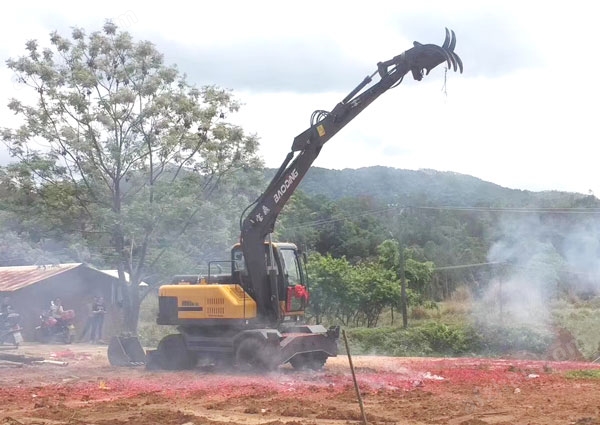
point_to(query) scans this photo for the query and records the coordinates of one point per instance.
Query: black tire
(254, 355)
(153, 361)
(311, 361)
(174, 355)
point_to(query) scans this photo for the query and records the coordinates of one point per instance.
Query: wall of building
(76, 288)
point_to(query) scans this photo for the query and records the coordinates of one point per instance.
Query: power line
(466, 266)
(524, 210)
(323, 221)
(527, 210)
(585, 274)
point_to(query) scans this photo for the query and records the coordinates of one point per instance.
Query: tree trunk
(132, 309)
(131, 306)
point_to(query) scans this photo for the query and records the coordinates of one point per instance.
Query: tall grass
(582, 320)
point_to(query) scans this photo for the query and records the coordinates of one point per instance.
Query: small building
(31, 289)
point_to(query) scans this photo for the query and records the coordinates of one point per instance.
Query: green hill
(409, 187)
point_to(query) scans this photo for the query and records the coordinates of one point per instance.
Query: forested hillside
(515, 251)
(409, 187)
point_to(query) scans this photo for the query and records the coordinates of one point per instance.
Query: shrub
(498, 340)
(462, 294)
(419, 313)
(389, 341)
(583, 374)
(456, 310)
(439, 339)
(430, 339)
(150, 334)
(447, 340)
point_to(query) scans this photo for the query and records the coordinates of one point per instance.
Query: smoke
(544, 258)
(582, 254)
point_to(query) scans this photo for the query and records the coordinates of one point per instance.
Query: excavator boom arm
(260, 221)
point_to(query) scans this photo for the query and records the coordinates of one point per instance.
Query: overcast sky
(522, 115)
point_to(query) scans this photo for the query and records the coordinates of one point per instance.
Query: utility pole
(403, 303)
(403, 289)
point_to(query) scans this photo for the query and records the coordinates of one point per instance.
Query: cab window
(291, 267)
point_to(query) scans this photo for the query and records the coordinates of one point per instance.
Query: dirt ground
(466, 391)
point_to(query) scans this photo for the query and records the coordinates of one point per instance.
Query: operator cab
(291, 276)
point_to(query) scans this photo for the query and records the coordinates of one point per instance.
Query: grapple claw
(422, 58)
(458, 61)
(452, 41)
(447, 40)
(450, 60)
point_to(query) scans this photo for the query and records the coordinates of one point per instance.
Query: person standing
(5, 308)
(98, 311)
(90, 319)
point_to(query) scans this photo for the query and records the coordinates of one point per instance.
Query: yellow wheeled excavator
(252, 316)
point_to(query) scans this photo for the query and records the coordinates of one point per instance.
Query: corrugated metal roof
(15, 278)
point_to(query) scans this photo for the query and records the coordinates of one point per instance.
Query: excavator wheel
(172, 353)
(312, 361)
(254, 355)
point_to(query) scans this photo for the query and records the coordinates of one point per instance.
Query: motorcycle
(10, 329)
(52, 329)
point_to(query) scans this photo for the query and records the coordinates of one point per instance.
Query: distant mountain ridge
(411, 187)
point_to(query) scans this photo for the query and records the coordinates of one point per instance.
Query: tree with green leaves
(350, 294)
(390, 256)
(332, 294)
(342, 228)
(140, 149)
(33, 231)
(378, 287)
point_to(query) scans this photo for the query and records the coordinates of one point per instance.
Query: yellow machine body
(202, 301)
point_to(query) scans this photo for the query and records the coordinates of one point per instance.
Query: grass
(455, 311)
(434, 338)
(582, 320)
(448, 312)
(583, 374)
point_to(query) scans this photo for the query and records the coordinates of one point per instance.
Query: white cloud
(522, 114)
